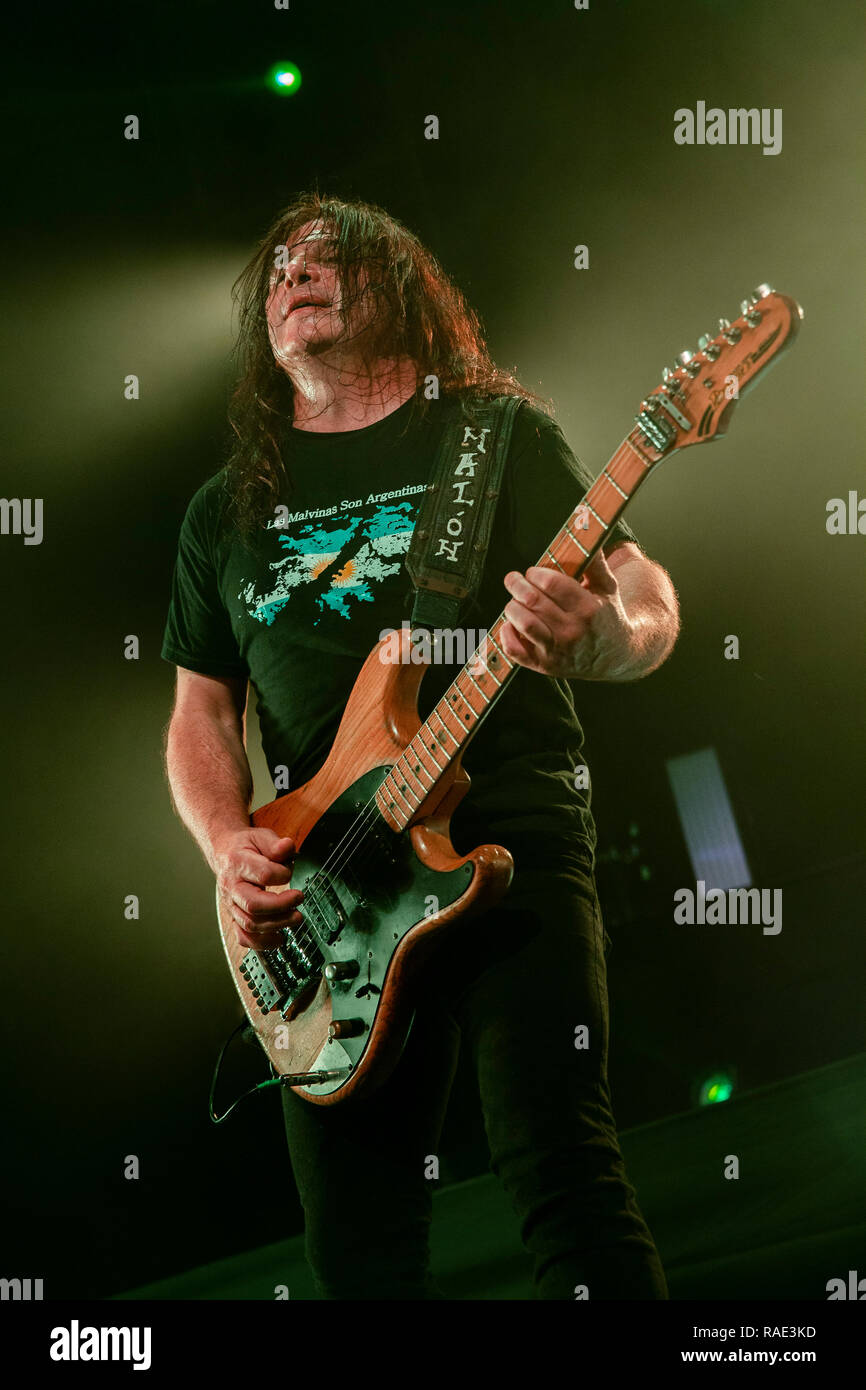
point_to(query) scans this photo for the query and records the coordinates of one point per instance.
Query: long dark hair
(421, 315)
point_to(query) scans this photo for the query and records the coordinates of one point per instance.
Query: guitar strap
(446, 555)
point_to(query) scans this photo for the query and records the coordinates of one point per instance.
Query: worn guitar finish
(333, 1005)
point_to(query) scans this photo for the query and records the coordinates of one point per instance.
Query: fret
(448, 731)
(391, 807)
(573, 537)
(491, 670)
(636, 451)
(422, 750)
(555, 561)
(465, 697)
(622, 494)
(400, 790)
(493, 676)
(600, 521)
(481, 663)
(482, 693)
(412, 771)
(426, 726)
(444, 708)
(453, 711)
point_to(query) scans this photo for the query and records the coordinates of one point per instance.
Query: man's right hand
(247, 862)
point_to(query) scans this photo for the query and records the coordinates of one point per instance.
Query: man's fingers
(549, 593)
(272, 845)
(261, 938)
(518, 649)
(528, 624)
(263, 907)
(598, 576)
(264, 872)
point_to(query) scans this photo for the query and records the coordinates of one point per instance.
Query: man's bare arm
(618, 622)
(205, 757)
(211, 785)
(651, 605)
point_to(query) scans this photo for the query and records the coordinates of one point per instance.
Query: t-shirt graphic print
(297, 607)
(334, 564)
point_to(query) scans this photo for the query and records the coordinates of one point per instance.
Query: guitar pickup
(329, 910)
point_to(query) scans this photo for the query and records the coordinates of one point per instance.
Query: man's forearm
(650, 604)
(210, 779)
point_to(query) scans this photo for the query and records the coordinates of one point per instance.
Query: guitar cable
(302, 1078)
(260, 1086)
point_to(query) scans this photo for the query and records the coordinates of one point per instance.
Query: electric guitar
(332, 1005)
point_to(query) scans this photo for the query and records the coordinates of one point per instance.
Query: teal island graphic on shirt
(338, 562)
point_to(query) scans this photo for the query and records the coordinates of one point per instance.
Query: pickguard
(365, 889)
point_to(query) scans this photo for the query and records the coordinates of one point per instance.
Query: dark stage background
(556, 129)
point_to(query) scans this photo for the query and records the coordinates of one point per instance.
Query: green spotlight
(285, 78)
(716, 1089)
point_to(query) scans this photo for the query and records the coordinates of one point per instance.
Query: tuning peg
(751, 315)
(666, 373)
(761, 292)
(687, 359)
(731, 335)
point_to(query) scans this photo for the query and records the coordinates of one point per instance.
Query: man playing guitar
(289, 568)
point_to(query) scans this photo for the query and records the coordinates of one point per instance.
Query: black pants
(518, 987)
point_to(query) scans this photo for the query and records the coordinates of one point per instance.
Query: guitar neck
(692, 405)
(472, 694)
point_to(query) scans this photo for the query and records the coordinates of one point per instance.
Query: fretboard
(472, 694)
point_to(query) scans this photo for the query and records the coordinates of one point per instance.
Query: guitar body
(385, 909)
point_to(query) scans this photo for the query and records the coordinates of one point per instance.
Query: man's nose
(297, 272)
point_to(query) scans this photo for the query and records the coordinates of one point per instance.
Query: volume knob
(346, 1028)
(341, 970)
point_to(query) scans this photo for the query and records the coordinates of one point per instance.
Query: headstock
(694, 401)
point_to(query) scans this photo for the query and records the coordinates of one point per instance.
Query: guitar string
(366, 819)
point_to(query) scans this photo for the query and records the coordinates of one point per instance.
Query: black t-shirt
(297, 609)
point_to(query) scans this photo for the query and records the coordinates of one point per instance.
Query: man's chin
(312, 346)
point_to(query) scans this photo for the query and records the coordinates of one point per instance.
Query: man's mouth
(307, 304)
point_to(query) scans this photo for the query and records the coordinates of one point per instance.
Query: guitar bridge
(278, 976)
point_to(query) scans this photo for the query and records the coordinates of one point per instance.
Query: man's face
(304, 307)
